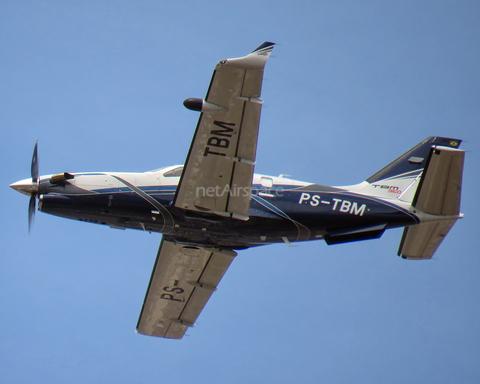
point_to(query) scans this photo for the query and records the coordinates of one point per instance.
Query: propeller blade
(34, 169)
(31, 211)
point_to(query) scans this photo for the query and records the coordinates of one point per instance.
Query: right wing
(183, 279)
(218, 172)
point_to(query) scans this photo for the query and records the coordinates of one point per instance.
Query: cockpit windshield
(175, 172)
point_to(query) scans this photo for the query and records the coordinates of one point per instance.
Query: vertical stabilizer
(401, 178)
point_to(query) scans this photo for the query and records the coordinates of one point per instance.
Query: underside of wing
(218, 172)
(183, 279)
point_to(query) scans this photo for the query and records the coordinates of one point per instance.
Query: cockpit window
(176, 172)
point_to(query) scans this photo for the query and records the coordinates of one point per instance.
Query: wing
(218, 172)
(183, 279)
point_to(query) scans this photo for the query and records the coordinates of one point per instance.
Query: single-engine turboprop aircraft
(215, 204)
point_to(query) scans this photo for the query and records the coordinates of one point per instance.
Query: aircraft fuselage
(282, 210)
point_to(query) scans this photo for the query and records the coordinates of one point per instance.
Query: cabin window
(267, 182)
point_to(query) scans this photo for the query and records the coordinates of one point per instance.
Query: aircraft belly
(235, 234)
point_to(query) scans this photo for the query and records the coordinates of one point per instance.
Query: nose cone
(26, 186)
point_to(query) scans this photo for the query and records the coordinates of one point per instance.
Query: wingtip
(266, 46)
(256, 59)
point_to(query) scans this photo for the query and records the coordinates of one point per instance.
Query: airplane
(215, 205)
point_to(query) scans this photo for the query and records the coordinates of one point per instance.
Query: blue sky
(350, 86)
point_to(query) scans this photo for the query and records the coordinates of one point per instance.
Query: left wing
(217, 177)
(183, 279)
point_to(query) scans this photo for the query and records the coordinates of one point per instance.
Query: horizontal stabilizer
(438, 194)
(440, 187)
(420, 242)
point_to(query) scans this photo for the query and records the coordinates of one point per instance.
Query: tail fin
(429, 178)
(401, 178)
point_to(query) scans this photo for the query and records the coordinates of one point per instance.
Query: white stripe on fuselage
(95, 181)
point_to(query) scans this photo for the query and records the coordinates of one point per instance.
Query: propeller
(30, 187)
(35, 187)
